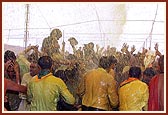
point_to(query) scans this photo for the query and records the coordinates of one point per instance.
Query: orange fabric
(37, 79)
(130, 79)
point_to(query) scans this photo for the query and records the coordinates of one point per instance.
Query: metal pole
(26, 21)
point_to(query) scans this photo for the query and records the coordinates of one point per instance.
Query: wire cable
(43, 17)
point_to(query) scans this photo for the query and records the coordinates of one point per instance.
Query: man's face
(10, 70)
(34, 69)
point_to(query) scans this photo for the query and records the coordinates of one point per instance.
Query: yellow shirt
(24, 105)
(44, 93)
(24, 64)
(133, 95)
(100, 90)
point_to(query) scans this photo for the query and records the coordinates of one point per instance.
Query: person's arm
(81, 88)
(112, 93)
(157, 50)
(65, 93)
(37, 52)
(10, 85)
(29, 92)
(158, 53)
(17, 71)
(145, 97)
(63, 48)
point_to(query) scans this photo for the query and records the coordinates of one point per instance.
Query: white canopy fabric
(103, 23)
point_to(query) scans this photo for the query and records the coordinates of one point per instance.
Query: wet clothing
(24, 105)
(133, 95)
(156, 93)
(13, 97)
(112, 72)
(24, 64)
(99, 90)
(44, 93)
(26, 79)
(50, 45)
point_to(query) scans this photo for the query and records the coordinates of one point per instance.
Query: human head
(104, 62)
(56, 33)
(135, 72)
(9, 55)
(73, 41)
(45, 62)
(107, 62)
(112, 61)
(34, 68)
(148, 74)
(91, 45)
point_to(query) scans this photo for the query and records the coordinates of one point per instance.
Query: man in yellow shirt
(133, 93)
(45, 90)
(99, 92)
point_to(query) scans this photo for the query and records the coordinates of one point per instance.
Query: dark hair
(104, 62)
(112, 59)
(135, 72)
(45, 62)
(149, 72)
(9, 55)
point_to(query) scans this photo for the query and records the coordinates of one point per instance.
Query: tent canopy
(101, 23)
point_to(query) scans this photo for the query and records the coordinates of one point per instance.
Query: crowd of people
(52, 79)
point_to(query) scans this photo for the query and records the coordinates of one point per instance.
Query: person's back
(44, 89)
(100, 91)
(46, 92)
(133, 93)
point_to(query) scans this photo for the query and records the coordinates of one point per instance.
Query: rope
(150, 35)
